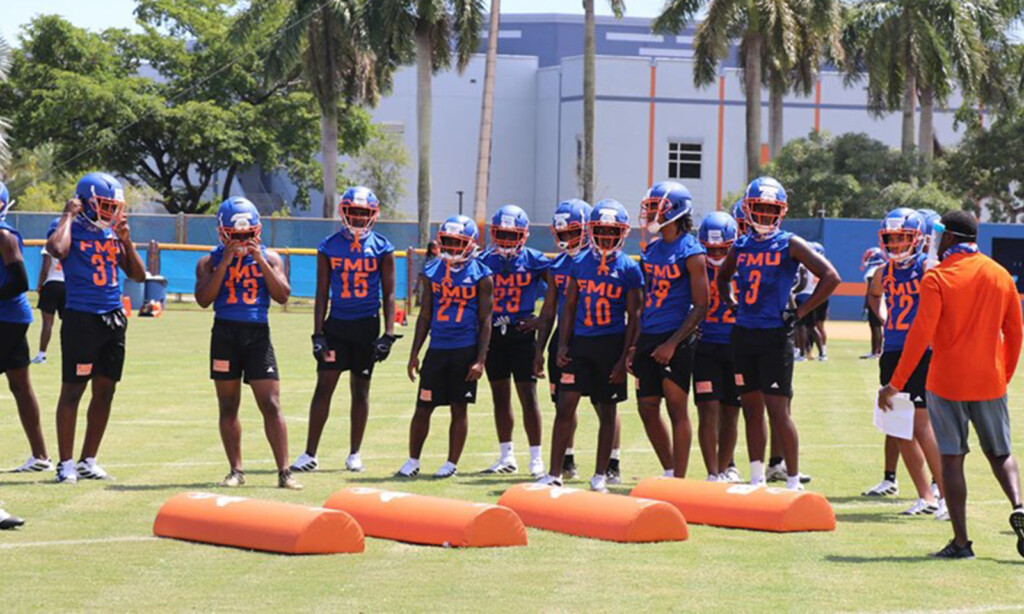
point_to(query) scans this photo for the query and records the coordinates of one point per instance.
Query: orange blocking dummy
(258, 525)
(590, 514)
(742, 506)
(436, 521)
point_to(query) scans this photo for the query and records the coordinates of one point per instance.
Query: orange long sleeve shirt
(970, 315)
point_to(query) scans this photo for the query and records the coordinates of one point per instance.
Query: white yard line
(79, 542)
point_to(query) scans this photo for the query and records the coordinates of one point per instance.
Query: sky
(100, 14)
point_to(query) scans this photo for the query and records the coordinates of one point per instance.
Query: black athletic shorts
(713, 376)
(51, 298)
(763, 360)
(13, 346)
(809, 319)
(443, 377)
(241, 350)
(92, 344)
(554, 371)
(649, 374)
(350, 346)
(916, 384)
(511, 355)
(821, 312)
(592, 360)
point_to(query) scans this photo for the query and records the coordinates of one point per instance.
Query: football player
(604, 299)
(676, 301)
(15, 317)
(519, 276)
(355, 274)
(239, 278)
(869, 261)
(901, 237)
(740, 215)
(714, 382)
(51, 298)
(456, 304)
(91, 241)
(766, 260)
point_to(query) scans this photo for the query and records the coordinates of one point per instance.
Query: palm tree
(590, 89)
(430, 28)
(5, 124)
(483, 161)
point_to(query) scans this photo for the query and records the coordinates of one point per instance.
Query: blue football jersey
(561, 273)
(667, 283)
(902, 288)
(243, 296)
(717, 324)
(765, 274)
(355, 273)
(456, 304)
(91, 280)
(518, 281)
(601, 308)
(15, 310)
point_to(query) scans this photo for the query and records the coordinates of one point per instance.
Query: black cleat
(1017, 522)
(9, 522)
(952, 551)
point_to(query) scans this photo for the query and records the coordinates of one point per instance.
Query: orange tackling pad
(257, 524)
(742, 506)
(419, 519)
(590, 514)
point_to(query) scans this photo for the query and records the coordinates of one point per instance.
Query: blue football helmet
(608, 226)
(764, 204)
(238, 220)
(664, 203)
(569, 225)
(5, 201)
(740, 216)
(901, 235)
(510, 227)
(716, 233)
(358, 210)
(872, 257)
(102, 199)
(818, 247)
(457, 239)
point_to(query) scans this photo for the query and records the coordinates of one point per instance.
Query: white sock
(534, 452)
(41, 354)
(792, 481)
(756, 472)
(670, 473)
(615, 453)
(506, 449)
(570, 452)
(415, 462)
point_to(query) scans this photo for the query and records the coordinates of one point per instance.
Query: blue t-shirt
(518, 281)
(15, 310)
(243, 296)
(456, 304)
(765, 274)
(667, 283)
(355, 274)
(91, 281)
(902, 288)
(561, 273)
(717, 324)
(601, 308)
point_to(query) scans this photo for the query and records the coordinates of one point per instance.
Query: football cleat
(305, 463)
(713, 477)
(66, 473)
(9, 522)
(885, 488)
(732, 475)
(354, 462)
(776, 473)
(410, 469)
(920, 508)
(599, 483)
(798, 487)
(569, 471)
(952, 551)
(34, 465)
(942, 513)
(88, 470)
(613, 476)
(286, 480)
(537, 468)
(234, 479)
(447, 470)
(39, 359)
(550, 480)
(504, 466)
(1017, 524)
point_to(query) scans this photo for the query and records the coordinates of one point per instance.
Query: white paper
(899, 422)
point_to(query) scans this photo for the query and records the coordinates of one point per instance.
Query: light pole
(460, 193)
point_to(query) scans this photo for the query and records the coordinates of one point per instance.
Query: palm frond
(677, 14)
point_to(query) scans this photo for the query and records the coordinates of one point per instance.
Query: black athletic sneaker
(1017, 522)
(613, 475)
(9, 522)
(569, 471)
(952, 551)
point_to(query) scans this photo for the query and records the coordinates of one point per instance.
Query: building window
(684, 160)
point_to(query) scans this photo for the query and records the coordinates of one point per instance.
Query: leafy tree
(587, 176)
(380, 166)
(987, 169)
(5, 124)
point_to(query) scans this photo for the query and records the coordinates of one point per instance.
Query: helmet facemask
(717, 252)
(454, 247)
(508, 240)
(568, 236)
(607, 237)
(900, 244)
(242, 232)
(764, 216)
(358, 219)
(108, 211)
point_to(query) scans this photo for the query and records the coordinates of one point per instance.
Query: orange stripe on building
(595, 515)
(257, 525)
(434, 521)
(817, 105)
(721, 141)
(742, 506)
(650, 126)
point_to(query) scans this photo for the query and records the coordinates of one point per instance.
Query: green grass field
(90, 546)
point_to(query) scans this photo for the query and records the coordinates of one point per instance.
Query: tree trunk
(909, 110)
(752, 84)
(329, 147)
(424, 77)
(589, 94)
(483, 160)
(775, 138)
(926, 144)
(228, 180)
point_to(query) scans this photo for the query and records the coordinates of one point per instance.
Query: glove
(502, 322)
(319, 345)
(382, 346)
(789, 319)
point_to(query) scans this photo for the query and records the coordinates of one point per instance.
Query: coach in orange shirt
(970, 315)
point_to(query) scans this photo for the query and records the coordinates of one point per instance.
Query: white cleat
(66, 473)
(550, 480)
(885, 488)
(410, 469)
(305, 463)
(599, 483)
(713, 477)
(34, 465)
(776, 473)
(9, 522)
(798, 487)
(758, 482)
(935, 490)
(731, 475)
(921, 508)
(503, 466)
(537, 467)
(447, 470)
(89, 470)
(942, 513)
(39, 359)
(354, 462)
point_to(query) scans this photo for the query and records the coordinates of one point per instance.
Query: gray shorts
(991, 420)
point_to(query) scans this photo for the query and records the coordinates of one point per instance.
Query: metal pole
(459, 192)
